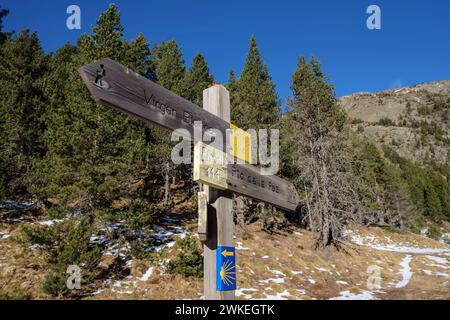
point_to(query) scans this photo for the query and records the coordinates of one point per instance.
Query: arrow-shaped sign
(116, 86)
(226, 253)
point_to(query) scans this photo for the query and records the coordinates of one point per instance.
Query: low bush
(189, 260)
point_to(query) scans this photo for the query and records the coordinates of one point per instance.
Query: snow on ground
(389, 245)
(405, 272)
(162, 237)
(279, 296)
(435, 273)
(240, 247)
(13, 205)
(347, 295)
(445, 238)
(441, 262)
(4, 236)
(311, 280)
(276, 272)
(49, 223)
(241, 293)
(126, 286)
(275, 280)
(147, 274)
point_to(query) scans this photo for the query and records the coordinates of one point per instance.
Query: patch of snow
(98, 239)
(311, 280)
(170, 244)
(301, 291)
(240, 292)
(35, 247)
(434, 273)
(118, 250)
(394, 247)
(265, 257)
(405, 272)
(276, 280)
(347, 295)
(341, 282)
(50, 223)
(4, 236)
(240, 247)
(97, 292)
(445, 238)
(439, 260)
(13, 205)
(279, 296)
(147, 274)
(296, 272)
(277, 272)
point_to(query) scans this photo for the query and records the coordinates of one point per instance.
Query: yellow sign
(210, 166)
(241, 144)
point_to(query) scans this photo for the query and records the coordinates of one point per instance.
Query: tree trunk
(166, 186)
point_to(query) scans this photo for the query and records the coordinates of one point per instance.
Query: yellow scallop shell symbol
(227, 273)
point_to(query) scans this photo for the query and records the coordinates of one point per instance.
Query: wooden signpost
(116, 86)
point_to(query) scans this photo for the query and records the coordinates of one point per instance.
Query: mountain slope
(414, 121)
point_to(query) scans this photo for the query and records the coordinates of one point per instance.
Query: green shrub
(386, 122)
(357, 121)
(189, 260)
(434, 232)
(424, 110)
(65, 243)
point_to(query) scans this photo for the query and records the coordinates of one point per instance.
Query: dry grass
(283, 264)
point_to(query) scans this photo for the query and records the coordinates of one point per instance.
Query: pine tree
(197, 79)
(22, 69)
(318, 152)
(169, 72)
(256, 103)
(168, 65)
(232, 87)
(3, 35)
(95, 153)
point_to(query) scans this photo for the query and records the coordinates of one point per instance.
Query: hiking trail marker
(114, 85)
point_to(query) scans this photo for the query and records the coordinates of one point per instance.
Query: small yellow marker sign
(241, 144)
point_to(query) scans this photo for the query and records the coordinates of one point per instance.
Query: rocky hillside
(414, 120)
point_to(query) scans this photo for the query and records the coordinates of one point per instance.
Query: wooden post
(220, 226)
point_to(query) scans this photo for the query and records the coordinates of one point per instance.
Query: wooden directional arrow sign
(116, 86)
(211, 168)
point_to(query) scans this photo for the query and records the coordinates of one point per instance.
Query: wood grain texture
(202, 215)
(210, 168)
(127, 91)
(220, 217)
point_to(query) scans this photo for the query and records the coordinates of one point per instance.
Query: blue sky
(412, 46)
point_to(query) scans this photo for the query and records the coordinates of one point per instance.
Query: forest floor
(282, 265)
